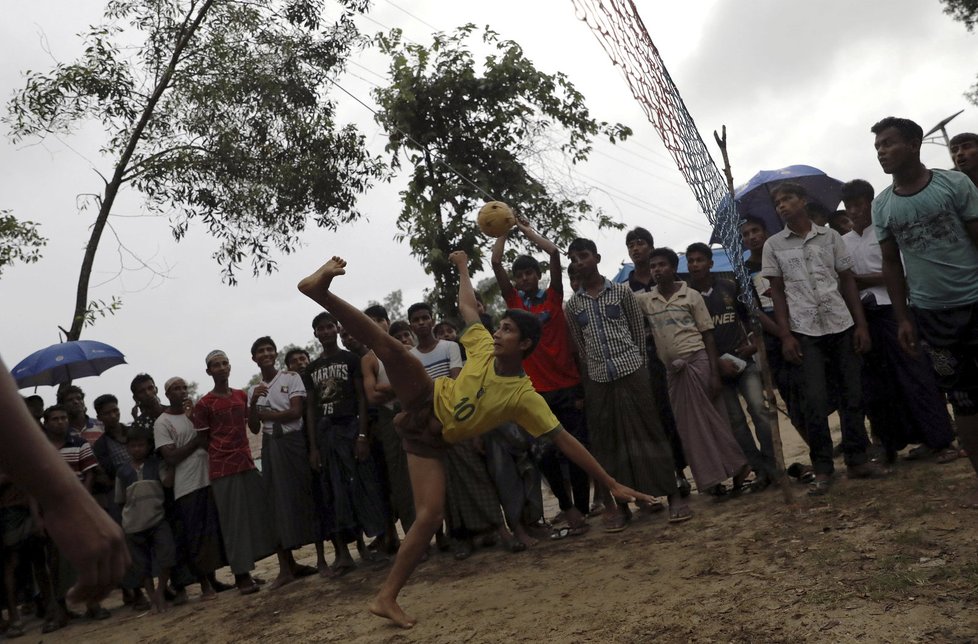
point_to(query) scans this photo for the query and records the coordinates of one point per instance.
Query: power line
(422, 21)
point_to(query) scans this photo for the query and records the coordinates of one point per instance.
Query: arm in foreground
(576, 452)
(84, 533)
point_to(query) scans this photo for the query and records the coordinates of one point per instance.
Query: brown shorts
(420, 429)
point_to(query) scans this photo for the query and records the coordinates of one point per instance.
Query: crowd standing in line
(609, 392)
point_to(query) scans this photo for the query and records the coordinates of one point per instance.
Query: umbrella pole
(770, 402)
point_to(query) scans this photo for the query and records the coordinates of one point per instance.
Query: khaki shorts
(420, 429)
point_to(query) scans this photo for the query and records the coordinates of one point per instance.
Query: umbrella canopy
(721, 264)
(66, 361)
(754, 197)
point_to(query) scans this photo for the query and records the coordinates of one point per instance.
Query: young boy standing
(738, 379)
(337, 408)
(927, 226)
(625, 434)
(551, 366)
(822, 327)
(683, 333)
(221, 417)
(276, 405)
(139, 490)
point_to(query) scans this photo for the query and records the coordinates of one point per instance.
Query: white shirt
(192, 473)
(867, 258)
(285, 386)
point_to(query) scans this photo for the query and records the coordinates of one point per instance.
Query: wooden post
(770, 402)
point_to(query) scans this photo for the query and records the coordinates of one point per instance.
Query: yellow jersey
(479, 400)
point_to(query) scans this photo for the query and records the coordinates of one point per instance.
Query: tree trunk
(191, 23)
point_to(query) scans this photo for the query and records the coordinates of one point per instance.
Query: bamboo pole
(770, 402)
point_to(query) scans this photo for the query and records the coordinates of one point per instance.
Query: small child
(139, 489)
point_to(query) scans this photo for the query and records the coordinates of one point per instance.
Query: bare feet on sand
(318, 283)
(281, 580)
(389, 609)
(970, 501)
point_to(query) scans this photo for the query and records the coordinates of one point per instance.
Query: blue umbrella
(721, 264)
(66, 361)
(754, 197)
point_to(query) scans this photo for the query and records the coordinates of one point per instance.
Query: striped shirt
(440, 361)
(609, 331)
(77, 453)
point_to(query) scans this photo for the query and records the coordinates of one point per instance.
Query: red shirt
(551, 366)
(226, 417)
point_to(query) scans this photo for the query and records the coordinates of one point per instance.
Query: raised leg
(428, 483)
(407, 376)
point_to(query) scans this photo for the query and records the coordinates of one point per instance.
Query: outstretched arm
(547, 246)
(576, 452)
(467, 304)
(505, 286)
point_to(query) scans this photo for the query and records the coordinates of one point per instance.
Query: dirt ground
(874, 561)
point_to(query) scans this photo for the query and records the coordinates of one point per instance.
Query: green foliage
(100, 309)
(470, 129)
(19, 241)
(965, 11)
(219, 113)
(394, 303)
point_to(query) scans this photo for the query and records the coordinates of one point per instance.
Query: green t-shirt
(939, 257)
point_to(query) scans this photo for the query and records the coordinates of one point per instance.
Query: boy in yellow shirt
(490, 390)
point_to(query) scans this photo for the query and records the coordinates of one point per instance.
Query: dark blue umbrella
(754, 197)
(66, 361)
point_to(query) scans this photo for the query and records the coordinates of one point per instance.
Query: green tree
(219, 113)
(19, 241)
(394, 303)
(470, 129)
(965, 11)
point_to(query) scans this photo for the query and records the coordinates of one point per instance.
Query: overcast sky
(793, 82)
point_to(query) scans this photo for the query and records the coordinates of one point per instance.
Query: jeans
(824, 357)
(748, 384)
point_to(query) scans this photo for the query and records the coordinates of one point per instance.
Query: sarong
(626, 435)
(245, 520)
(395, 459)
(198, 532)
(358, 502)
(472, 505)
(288, 489)
(711, 449)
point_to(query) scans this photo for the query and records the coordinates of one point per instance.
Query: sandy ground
(878, 561)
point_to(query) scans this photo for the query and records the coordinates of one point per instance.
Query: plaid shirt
(608, 330)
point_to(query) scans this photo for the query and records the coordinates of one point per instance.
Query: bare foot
(970, 501)
(389, 609)
(318, 283)
(524, 535)
(281, 580)
(208, 596)
(324, 570)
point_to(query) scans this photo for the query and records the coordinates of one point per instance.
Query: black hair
(140, 433)
(104, 400)
(814, 209)
(909, 130)
(582, 244)
(67, 391)
(528, 324)
(33, 398)
(963, 137)
(701, 248)
(857, 189)
(325, 316)
(442, 324)
(669, 254)
(791, 188)
(261, 342)
(525, 262)
(753, 219)
(639, 233)
(292, 352)
(398, 326)
(418, 306)
(376, 312)
(52, 409)
(138, 380)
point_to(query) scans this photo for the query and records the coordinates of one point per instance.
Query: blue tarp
(721, 264)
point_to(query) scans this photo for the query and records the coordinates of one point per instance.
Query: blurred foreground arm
(83, 532)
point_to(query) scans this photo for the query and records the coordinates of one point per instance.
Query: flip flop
(560, 533)
(615, 524)
(948, 455)
(578, 530)
(680, 515)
